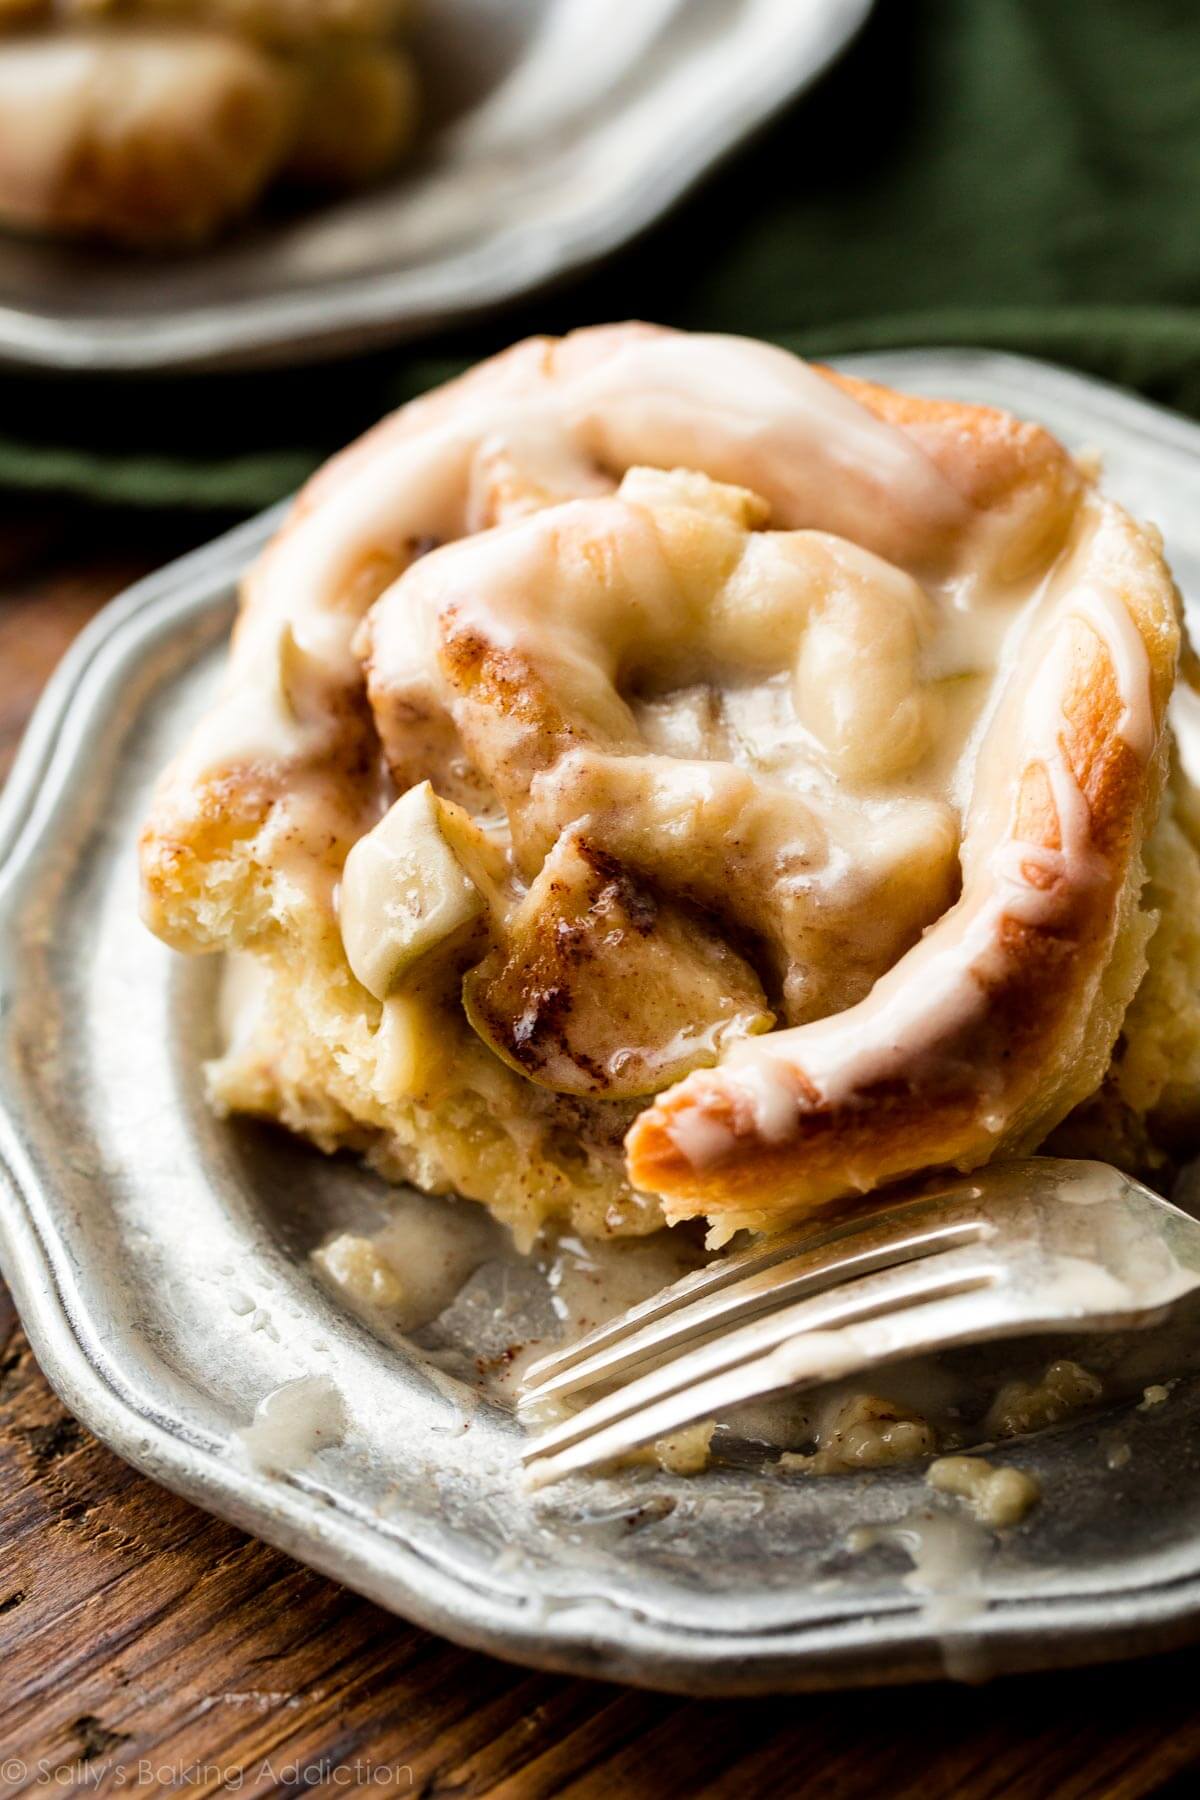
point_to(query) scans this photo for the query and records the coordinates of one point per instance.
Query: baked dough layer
(849, 702)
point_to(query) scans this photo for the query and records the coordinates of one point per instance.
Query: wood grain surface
(144, 1646)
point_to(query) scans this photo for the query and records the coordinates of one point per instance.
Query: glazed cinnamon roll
(158, 122)
(657, 778)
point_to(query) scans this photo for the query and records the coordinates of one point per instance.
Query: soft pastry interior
(659, 779)
(158, 122)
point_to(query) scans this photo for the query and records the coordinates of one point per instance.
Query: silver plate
(557, 130)
(129, 1216)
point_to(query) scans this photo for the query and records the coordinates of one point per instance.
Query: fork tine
(1118, 1258)
(801, 1362)
(768, 1253)
(945, 1272)
(734, 1303)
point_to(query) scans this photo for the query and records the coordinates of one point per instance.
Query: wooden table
(144, 1645)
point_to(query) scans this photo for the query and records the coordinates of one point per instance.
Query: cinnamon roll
(657, 778)
(158, 122)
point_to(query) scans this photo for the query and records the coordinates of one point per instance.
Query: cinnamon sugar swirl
(656, 778)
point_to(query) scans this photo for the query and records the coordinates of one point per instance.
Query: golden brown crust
(991, 457)
(898, 1126)
(995, 1079)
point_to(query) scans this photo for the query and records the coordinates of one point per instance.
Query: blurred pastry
(159, 122)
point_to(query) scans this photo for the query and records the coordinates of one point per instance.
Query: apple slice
(415, 885)
(600, 987)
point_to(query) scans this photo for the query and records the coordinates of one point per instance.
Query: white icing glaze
(701, 1138)
(856, 708)
(735, 410)
(793, 832)
(948, 1551)
(772, 1098)
(924, 1002)
(292, 1423)
(1109, 618)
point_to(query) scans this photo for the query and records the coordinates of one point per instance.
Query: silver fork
(1017, 1248)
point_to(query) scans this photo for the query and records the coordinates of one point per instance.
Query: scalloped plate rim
(589, 1634)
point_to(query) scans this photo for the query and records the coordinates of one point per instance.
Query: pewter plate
(556, 130)
(159, 1261)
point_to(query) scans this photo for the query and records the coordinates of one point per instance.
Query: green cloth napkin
(1016, 173)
